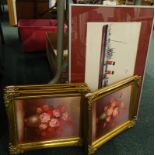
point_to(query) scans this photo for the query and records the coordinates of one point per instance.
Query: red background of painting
(32, 133)
(80, 15)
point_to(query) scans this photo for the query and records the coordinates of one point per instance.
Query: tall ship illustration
(105, 57)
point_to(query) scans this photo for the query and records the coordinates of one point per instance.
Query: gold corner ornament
(14, 149)
(91, 150)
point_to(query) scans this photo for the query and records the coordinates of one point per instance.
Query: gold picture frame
(44, 118)
(111, 110)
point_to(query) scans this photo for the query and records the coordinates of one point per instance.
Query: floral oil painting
(42, 119)
(110, 112)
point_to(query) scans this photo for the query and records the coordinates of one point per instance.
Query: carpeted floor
(22, 68)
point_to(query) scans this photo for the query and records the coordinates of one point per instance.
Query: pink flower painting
(46, 119)
(111, 111)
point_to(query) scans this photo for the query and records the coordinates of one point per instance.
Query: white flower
(54, 123)
(44, 117)
(56, 113)
(42, 126)
(65, 116)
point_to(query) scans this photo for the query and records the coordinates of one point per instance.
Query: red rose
(109, 111)
(50, 111)
(45, 107)
(108, 119)
(51, 130)
(115, 112)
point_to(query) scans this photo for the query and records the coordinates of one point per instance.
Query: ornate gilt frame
(49, 86)
(13, 93)
(92, 146)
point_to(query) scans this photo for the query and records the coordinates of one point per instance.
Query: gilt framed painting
(111, 110)
(45, 118)
(108, 43)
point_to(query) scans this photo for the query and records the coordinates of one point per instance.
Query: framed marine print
(103, 47)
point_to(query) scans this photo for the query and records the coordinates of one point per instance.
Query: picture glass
(44, 119)
(110, 112)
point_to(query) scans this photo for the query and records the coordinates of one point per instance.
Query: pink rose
(39, 110)
(66, 116)
(113, 104)
(56, 113)
(115, 112)
(42, 126)
(54, 122)
(105, 108)
(44, 117)
(109, 111)
(108, 119)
